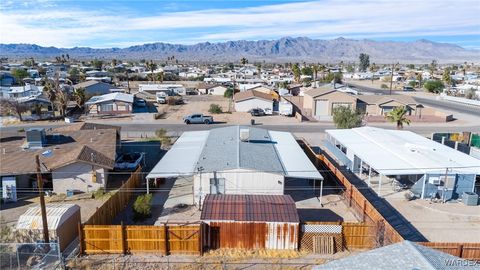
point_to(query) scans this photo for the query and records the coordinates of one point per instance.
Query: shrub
(142, 207)
(433, 86)
(165, 140)
(384, 86)
(344, 117)
(215, 108)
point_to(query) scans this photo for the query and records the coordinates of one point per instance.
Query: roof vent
(36, 138)
(244, 134)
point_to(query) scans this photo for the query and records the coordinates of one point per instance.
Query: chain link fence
(30, 256)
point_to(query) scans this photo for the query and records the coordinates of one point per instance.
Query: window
(106, 107)
(217, 185)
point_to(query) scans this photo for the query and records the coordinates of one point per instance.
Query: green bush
(142, 207)
(215, 108)
(384, 86)
(433, 86)
(344, 117)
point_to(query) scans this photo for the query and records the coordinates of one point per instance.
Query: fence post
(460, 251)
(363, 210)
(122, 235)
(351, 197)
(80, 237)
(165, 234)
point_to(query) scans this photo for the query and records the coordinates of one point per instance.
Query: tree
(49, 90)
(243, 61)
(315, 72)
(10, 106)
(419, 79)
(296, 72)
(432, 67)
(307, 71)
(228, 93)
(74, 74)
(433, 86)
(345, 118)
(62, 99)
(398, 116)
(446, 77)
(19, 74)
(98, 64)
(80, 96)
(364, 62)
(151, 67)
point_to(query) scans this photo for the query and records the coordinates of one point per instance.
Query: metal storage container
(470, 198)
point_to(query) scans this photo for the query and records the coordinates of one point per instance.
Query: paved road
(446, 105)
(295, 128)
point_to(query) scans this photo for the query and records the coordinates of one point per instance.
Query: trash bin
(252, 122)
(470, 198)
(69, 193)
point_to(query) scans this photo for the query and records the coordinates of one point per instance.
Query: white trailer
(285, 108)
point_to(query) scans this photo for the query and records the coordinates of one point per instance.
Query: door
(214, 237)
(321, 107)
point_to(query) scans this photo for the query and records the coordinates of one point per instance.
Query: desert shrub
(142, 207)
(433, 86)
(215, 108)
(384, 86)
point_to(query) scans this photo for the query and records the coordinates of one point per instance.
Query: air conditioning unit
(244, 134)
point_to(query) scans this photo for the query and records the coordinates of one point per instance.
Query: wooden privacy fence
(347, 235)
(386, 233)
(469, 251)
(117, 202)
(120, 239)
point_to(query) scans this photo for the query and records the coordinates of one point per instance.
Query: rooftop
(399, 152)
(95, 146)
(259, 208)
(221, 149)
(111, 97)
(403, 255)
(249, 94)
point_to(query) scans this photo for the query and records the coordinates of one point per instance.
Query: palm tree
(315, 71)
(399, 116)
(63, 99)
(80, 96)
(128, 80)
(49, 90)
(244, 61)
(152, 67)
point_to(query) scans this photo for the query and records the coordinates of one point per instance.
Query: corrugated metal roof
(56, 215)
(221, 149)
(255, 208)
(399, 152)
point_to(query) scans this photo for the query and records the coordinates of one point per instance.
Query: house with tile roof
(78, 157)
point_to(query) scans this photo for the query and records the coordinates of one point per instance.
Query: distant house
(6, 79)
(215, 90)
(76, 157)
(168, 89)
(94, 87)
(320, 102)
(383, 104)
(251, 99)
(236, 160)
(113, 103)
(24, 91)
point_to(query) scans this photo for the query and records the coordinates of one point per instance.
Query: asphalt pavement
(441, 104)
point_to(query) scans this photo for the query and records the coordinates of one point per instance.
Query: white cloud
(320, 19)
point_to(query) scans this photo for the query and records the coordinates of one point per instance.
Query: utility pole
(42, 200)
(391, 78)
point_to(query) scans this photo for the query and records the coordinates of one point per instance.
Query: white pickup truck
(198, 119)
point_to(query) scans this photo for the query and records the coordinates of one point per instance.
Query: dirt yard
(201, 104)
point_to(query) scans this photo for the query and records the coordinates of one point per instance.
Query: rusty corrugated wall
(251, 235)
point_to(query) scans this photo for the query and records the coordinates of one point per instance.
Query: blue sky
(122, 23)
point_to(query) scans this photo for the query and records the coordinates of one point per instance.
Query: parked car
(161, 100)
(140, 102)
(198, 119)
(257, 112)
(408, 88)
(128, 162)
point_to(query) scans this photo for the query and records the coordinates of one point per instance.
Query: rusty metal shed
(250, 222)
